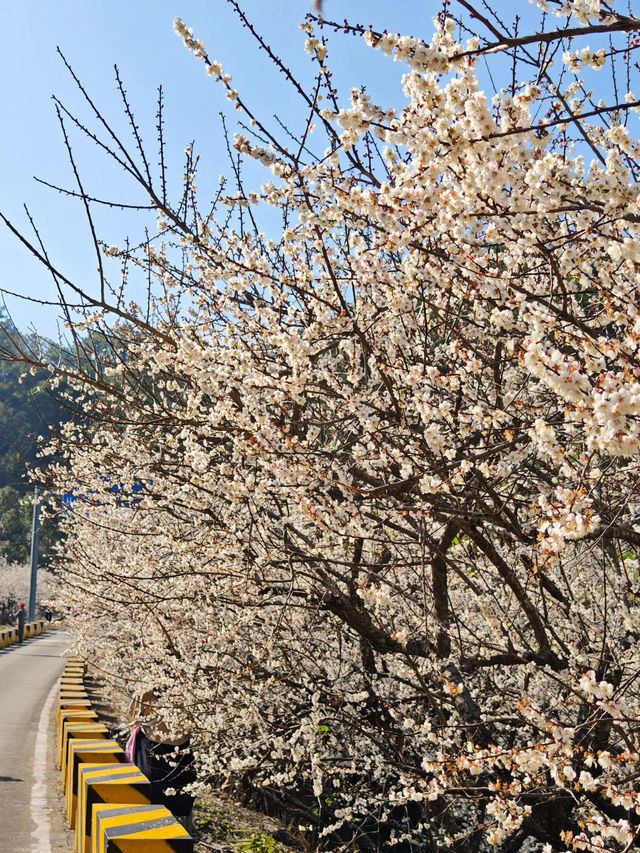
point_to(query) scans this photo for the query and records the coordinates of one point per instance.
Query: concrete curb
(107, 799)
(9, 636)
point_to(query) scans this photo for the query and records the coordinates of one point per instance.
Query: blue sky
(137, 35)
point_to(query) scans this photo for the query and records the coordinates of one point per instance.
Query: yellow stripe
(105, 817)
(77, 704)
(74, 703)
(73, 716)
(97, 747)
(92, 772)
(92, 783)
(172, 830)
(167, 839)
(137, 845)
(80, 731)
(85, 727)
(85, 755)
(122, 815)
(123, 791)
(130, 787)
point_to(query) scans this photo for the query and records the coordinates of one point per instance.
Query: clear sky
(137, 35)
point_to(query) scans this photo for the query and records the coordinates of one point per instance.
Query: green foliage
(15, 524)
(216, 832)
(30, 412)
(260, 842)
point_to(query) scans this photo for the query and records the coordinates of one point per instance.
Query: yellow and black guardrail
(100, 784)
(9, 636)
(107, 799)
(152, 829)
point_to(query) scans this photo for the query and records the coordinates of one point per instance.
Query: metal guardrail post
(35, 539)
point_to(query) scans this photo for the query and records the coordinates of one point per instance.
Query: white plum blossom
(358, 491)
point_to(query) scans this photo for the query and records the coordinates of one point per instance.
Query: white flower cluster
(582, 10)
(359, 494)
(186, 34)
(577, 59)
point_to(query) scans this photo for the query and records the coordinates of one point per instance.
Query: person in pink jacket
(164, 757)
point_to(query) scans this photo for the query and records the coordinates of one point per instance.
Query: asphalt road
(30, 801)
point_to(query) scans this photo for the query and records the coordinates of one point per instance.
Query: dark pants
(167, 767)
(20, 633)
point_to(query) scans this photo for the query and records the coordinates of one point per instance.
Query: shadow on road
(28, 641)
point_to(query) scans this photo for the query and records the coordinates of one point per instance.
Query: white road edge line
(41, 835)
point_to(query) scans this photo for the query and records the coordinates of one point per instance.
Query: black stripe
(90, 751)
(154, 823)
(121, 777)
(138, 808)
(93, 797)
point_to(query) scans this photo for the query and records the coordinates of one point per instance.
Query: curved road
(30, 799)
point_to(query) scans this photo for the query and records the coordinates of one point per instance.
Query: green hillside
(30, 411)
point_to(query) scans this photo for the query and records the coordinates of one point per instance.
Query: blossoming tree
(359, 492)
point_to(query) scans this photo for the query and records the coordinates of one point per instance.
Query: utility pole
(35, 538)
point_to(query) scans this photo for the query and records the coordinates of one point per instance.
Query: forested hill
(29, 411)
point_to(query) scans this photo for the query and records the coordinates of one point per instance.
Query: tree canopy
(31, 411)
(358, 495)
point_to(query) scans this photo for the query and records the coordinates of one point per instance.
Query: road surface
(30, 799)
